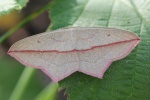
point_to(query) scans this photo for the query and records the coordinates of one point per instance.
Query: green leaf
(10, 71)
(9, 5)
(126, 79)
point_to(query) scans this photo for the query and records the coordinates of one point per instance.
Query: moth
(61, 52)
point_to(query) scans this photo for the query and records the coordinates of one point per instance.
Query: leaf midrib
(143, 20)
(81, 12)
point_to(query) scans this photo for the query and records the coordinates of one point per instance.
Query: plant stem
(22, 83)
(22, 23)
(28, 72)
(48, 93)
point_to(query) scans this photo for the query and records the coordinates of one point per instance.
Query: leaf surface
(126, 79)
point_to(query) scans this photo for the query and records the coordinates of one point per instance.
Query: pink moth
(62, 52)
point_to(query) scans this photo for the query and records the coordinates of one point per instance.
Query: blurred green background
(10, 69)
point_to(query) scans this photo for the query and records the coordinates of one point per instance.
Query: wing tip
(55, 80)
(136, 42)
(12, 54)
